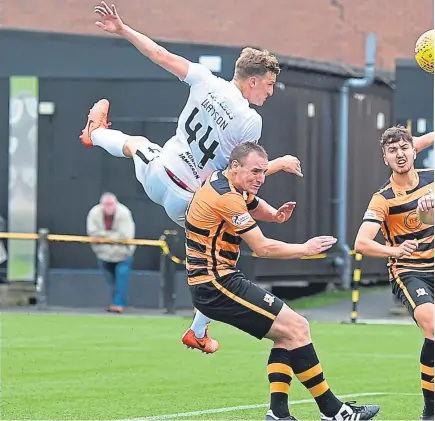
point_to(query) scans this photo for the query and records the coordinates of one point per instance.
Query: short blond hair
(253, 62)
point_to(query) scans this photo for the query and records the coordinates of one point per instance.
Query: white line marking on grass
(387, 356)
(261, 405)
(407, 321)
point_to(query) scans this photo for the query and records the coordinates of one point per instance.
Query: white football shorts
(160, 184)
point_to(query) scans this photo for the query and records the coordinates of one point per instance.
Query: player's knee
(292, 329)
(424, 316)
(300, 330)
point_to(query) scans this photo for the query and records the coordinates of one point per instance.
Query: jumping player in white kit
(216, 118)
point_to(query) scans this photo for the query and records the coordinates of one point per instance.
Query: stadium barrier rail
(167, 270)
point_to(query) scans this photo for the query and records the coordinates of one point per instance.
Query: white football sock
(199, 324)
(111, 140)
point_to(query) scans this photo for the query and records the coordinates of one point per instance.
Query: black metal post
(167, 272)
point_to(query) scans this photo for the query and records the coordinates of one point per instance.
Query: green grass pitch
(66, 367)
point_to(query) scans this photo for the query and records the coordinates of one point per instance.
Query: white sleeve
(197, 73)
(252, 129)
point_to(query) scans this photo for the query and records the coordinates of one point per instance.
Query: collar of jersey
(397, 188)
(229, 181)
(237, 91)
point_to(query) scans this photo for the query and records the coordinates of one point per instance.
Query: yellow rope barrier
(166, 251)
(138, 242)
(80, 239)
(19, 236)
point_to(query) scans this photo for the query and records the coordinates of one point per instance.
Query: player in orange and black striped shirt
(213, 248)
(394, 209)
(409, 245)
(221, 214)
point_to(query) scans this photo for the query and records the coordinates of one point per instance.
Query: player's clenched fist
(425, 203)
(405, 249)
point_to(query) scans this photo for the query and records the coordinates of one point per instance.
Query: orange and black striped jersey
(396, 210)
(216, 216)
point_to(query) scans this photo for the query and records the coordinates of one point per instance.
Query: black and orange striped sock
(427, 374)
(280, 376)
(308, 370)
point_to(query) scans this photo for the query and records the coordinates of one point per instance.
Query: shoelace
(356, 411)
(352, 405)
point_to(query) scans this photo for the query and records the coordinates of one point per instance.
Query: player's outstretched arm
(287, 163)
(365, 243)
(424, 141)
(267, 213)
(274, 249)
(112, 23)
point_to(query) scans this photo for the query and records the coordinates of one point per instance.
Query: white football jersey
(215, 119)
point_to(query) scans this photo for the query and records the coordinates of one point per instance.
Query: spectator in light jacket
(113, 220)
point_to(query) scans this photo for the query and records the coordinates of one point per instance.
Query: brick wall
(315, 29)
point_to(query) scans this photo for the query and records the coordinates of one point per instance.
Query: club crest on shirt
(420, 292)
(269, 299)
(412, 221)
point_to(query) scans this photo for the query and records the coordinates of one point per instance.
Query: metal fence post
(42, 269)
(167, 273)
(355, 286)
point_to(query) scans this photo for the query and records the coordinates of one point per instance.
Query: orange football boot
(205, 344)
(97, 117)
